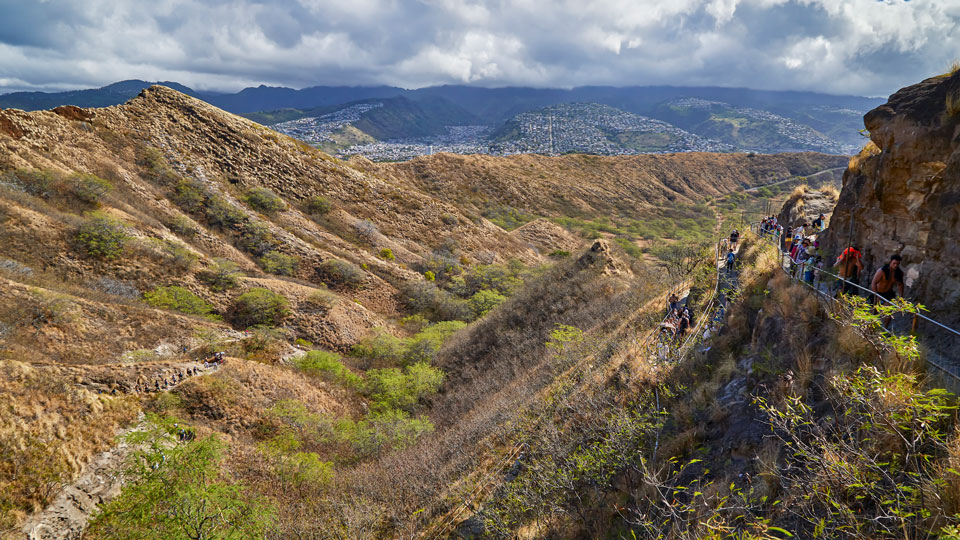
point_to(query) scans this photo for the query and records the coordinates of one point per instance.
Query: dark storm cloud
(849, 46)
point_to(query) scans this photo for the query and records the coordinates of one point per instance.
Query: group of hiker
(807, 261)
(679, 319)
(165, 382)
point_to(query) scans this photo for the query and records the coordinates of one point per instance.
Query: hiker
(734, 238)
(682, 326)
(674, 300)
(818, 224)
(850, 267)
(883, 282)
(730, 259)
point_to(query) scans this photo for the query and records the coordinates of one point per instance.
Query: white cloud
(846, 46)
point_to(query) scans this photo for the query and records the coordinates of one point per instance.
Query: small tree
(177, 491)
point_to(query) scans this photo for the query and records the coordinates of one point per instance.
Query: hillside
(139, 239)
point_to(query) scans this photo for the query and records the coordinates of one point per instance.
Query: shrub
(260, 306)
(380, 345)
(435, 303)
(278, 263)
(156, 166)
(101, 236)
(221, 213)
(257, 239)
(430, 276)
(37, 182)
(323, 299)
(221, 276)
(189, 195)
(341, 273)
(317, 206)
(559, 254)
(177, 299)
(423, 347)
(387, 254)
(178, 256)
(264, 200)
(392, 388)
(366, 230)
(179, 491)
(328, 366)
(483, 301)
(182, 225)
(390, 428)
(89, 188)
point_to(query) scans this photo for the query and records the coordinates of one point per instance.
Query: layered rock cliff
(902, 193)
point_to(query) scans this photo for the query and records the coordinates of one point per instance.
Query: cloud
(843, 46)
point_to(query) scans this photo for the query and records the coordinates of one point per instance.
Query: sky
(860, 47)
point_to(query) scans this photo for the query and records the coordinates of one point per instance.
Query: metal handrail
(822, 293)
(857, 285)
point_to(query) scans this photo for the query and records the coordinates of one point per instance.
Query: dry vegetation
(147, 236)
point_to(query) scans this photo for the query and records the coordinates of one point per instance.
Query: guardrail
(843, 282)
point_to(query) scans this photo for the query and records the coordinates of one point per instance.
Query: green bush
(257, 239)
(424, 346)
(387, 254)
(221, 276)
(390, 428)
(483, 301)
(559, 254)
(179, 491)
(37, 182)
(260, 306)
(392, 388)
(177, 299)
(89, 188)
(101, 236)
(156, 166)
(380, 345)
(264, 200)
(341, 274)
(328, 366)
(317, 206)
(189, 195)
(182, 225)
(221, 213)
(278, 263)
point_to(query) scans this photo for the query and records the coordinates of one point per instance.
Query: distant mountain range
(735, 118)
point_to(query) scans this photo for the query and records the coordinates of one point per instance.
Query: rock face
(902, 193)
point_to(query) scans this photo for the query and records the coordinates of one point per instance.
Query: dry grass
(868, 151)
(830, 191)
(49, 428)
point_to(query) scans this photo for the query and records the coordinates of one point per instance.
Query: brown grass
(868, 151)
(49, 428)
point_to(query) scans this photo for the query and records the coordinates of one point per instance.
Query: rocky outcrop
(902, 193)
(806, 204)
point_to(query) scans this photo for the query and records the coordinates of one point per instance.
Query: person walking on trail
(730, 258)
(674, 302)
(888, 276)
(734, 238)
(851, 265)
(818, 224)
